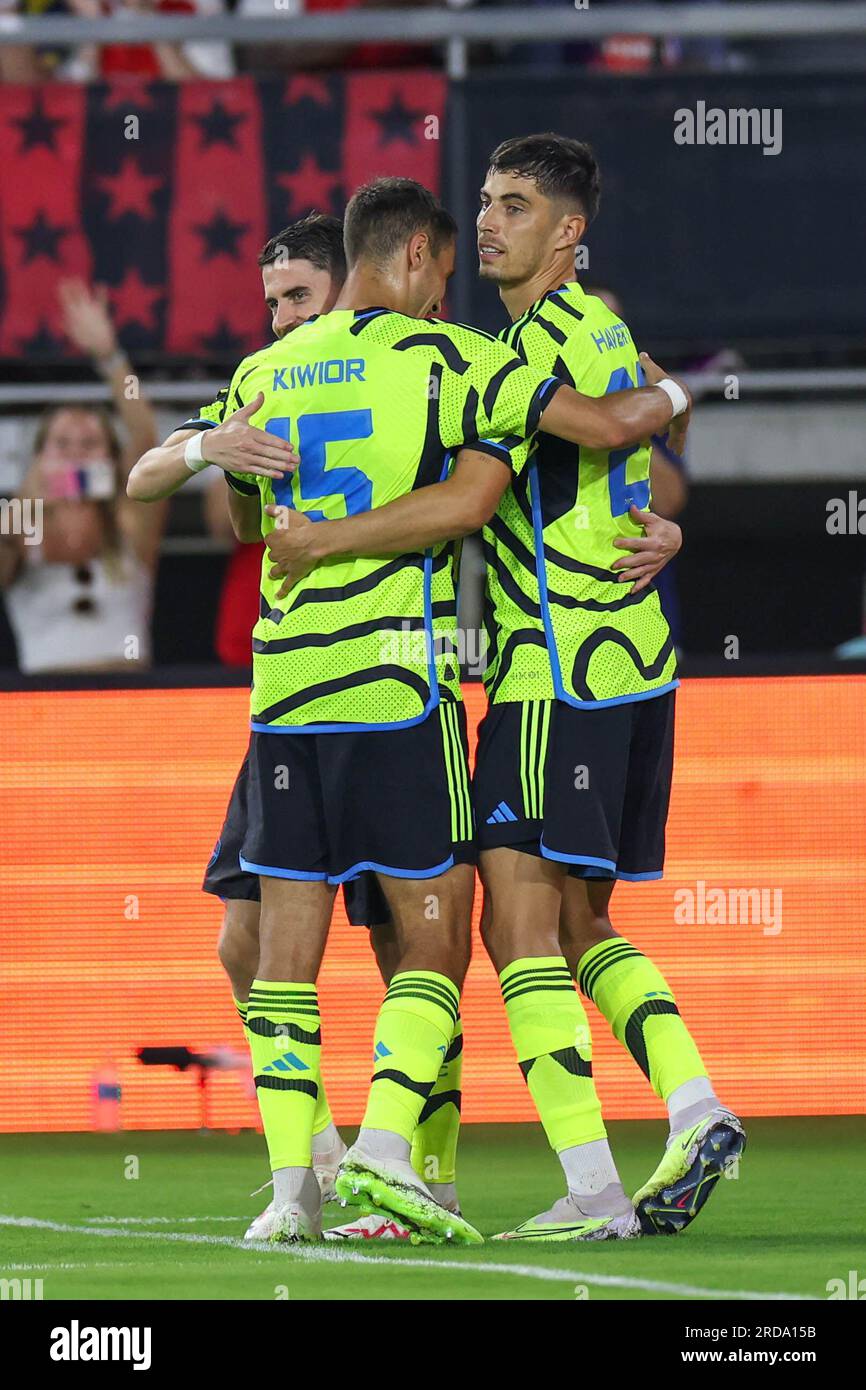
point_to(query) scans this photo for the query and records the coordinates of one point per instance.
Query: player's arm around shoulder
(624, 417)
(443, 511)
(232, 444)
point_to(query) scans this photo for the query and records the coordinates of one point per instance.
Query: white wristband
(192, 453)
(675, 394)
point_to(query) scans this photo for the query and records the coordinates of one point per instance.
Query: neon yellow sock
(637, 1002)
(241, 1007)
(323, 1116)
(286, 1044)
(434, 1143)
(413, 1031)
(551, 1036)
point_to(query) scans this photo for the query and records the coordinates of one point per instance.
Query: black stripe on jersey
(363, 317)
(495, 384)
(276, 645)
(561, 371)
(358, 586)
(433, 450)
(611, 634)
(527, 636)
(540, 401)
(496, 449)
(446, 346)
(500, 529)
(334, 593)
(239, 485)
(551, 329)
(567, 562)
(520, 552)
(237, 391)
(469, 423)
(563, 304)
(509, 584)
(340, 684)
(511, 335)
(471, 328)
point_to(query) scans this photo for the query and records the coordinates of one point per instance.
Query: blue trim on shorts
(268, 871)
(391, 871)
(574, 858)
(636, 878)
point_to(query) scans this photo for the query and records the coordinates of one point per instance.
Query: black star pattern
(221, 235)
(218, 126)
(42, 344)
(397, 122)
(223, 342)
(38, 128)
(40, 238)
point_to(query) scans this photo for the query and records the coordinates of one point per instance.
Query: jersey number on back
(315, 432)
(622, 493)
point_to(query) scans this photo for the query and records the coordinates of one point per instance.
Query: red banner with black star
(166, 193)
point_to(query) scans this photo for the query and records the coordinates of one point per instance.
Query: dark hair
(317, 238)
(561, 167)
(384, 214)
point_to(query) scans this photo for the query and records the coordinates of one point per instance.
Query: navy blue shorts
(364, 900)
(587, 787)
(331, 806)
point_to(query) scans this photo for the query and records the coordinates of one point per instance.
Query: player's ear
(572, 229)
(417, 249)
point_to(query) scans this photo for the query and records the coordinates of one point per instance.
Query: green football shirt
(376, 404)
(559, 625)
(210, 415)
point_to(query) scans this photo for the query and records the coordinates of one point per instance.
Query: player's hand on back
(650, 552)
(239, 447)
(290, 546)
(676, 437)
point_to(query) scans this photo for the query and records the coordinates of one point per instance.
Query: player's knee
(238, 954)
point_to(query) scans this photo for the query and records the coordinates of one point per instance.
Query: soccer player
(303, 269)
(575, 755)
(574, 759)
(359, 761)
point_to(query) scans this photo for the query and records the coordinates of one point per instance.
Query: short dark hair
(560, 166)
(384, 214)
(317, 238)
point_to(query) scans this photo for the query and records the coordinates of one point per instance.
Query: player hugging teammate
(358, 767)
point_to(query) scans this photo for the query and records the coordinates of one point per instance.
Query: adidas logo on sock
(502, 814)
(288, 1062)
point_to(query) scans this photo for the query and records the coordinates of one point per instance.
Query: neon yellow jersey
(376, 404)
(559, 625)
(210, 415)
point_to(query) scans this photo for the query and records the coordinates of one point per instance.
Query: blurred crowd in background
(627, 52)
(69, 603)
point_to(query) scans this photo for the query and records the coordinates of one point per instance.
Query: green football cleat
(692, 1164)
(375, 1185)
(566, 1221)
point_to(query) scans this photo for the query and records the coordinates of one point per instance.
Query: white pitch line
(68, 1264)
(161, 1220)
(315, 1255)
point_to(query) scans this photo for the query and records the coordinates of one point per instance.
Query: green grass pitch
(71, 1216)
